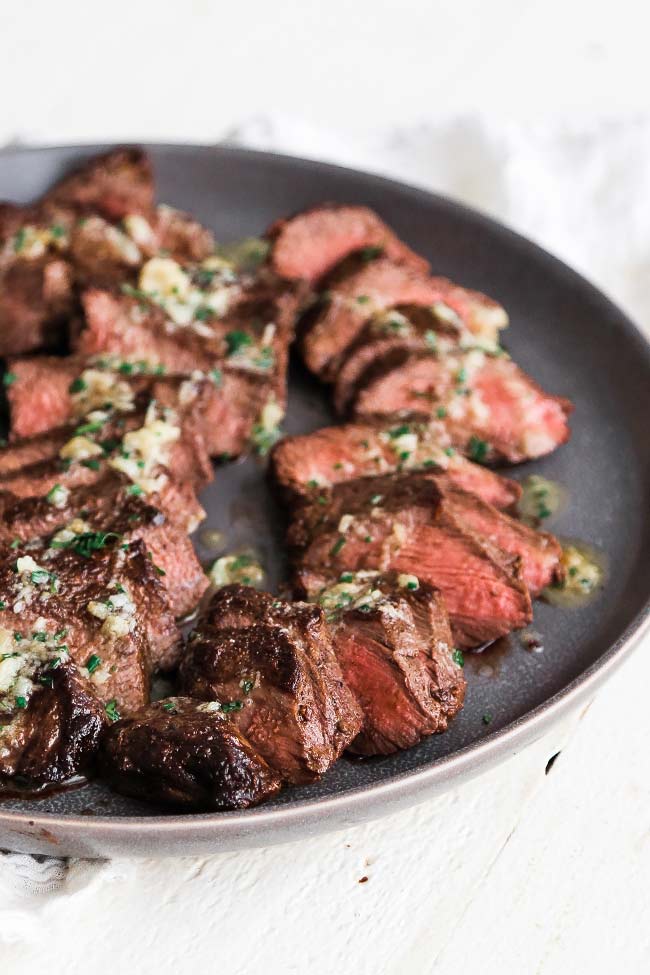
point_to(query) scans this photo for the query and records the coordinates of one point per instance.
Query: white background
(517, 872)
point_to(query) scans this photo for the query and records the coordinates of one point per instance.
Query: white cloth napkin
(582, 190)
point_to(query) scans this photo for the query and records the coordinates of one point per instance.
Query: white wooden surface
(518, 871)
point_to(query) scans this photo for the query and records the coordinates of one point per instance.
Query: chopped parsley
(337, 546)
(236, 341)
(40, 576)
(19, 240)
(458, 657)
(93, 663)
(487, 718)
(478, 449)
(111, 711)
(9, 378)
(247, 686)
(88, 542)
(135, 490)
(77, 385)
(229, 706)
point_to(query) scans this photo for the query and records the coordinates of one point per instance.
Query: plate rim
(401, 788)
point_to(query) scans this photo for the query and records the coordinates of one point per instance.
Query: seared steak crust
(353, 294)
(176, 753)
(107, 506)
(66, 584)
(115, 184)
(275, 670)
(56, 735)
(395, 649)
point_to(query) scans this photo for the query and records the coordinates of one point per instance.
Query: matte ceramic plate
(569, 337)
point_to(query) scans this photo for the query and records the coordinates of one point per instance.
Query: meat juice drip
(487, 661)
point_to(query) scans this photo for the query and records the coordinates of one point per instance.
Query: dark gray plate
(568, 336)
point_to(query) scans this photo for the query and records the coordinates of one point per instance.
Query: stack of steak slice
(397, 342)
(303, 464)
(47, 391)
(392, 639)
(271, 666)
(108, 506)
(406, 522)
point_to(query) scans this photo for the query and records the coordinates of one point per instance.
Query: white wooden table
(517, 871)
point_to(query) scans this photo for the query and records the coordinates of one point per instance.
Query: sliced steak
(50, 718)
(170, 231)
(392, 639)
(106, 600)
(107, 506)
(332, 455)
(275, 672)
(489, 407)
(182, 753)
(115, 184)
(36, 299)
(540, 552)
(354, 293)
(251, 335)
(155, 447)
(361, 294)
(48, 390)
(406, 328)
(403, 522)
(102, 254)
(309, 244)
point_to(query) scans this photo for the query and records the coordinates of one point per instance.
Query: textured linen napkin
(582, 190)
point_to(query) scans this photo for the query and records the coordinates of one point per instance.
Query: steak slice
(489, 407)
(403, 522)
(107, 506)
(309, 244)
(184, 754)
(275, 672)
(361, 294)
(114, 184)
(252, 335)
(36, 299)
(108, 603)
(153, 445)
(332, 455)
(47, 391)
(540, 552)
(354, 293)
(50, 718)
(406, 328)
(171, 231)
(392, 639)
